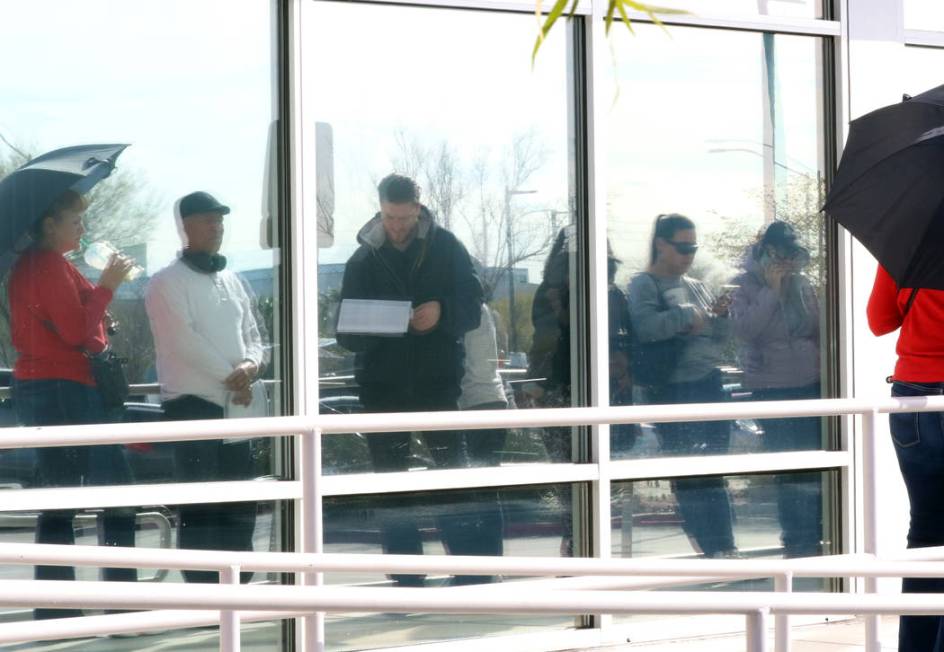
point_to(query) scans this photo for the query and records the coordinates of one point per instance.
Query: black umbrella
(889, 189)
(28, 191)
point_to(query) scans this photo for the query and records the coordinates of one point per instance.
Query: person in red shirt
(57, 316)
(918, 436)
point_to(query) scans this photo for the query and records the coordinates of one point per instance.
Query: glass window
(171, 96)
(785, 514)
(785, 8)
(918, 69)
(193, 96)
(517, 521)
(478, 220)
(729, 517)
(461, 266)
(924, 15)
(154, 527)
(718, 271)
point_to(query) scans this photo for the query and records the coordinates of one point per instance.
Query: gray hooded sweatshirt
(777, 333)
(661, 308)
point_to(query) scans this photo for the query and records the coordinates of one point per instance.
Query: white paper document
(374, 317)
(259, 407)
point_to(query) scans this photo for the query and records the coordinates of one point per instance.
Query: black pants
(220, 526)
(468, 525)
(703, 502)
(799, 495)
(483, 529)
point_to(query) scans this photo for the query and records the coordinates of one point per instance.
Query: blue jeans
(56, 402)
(919, 445)
(799, 495)
(703, 502)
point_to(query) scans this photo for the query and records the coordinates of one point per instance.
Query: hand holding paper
(425, 317)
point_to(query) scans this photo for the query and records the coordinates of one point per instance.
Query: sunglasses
(786, 254)
(683, 248)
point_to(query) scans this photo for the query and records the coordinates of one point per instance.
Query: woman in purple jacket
(775, 314)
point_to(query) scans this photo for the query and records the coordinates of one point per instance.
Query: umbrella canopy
(28, 191)
(889, 189)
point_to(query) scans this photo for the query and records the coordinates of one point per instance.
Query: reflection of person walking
(775, 313)
(405, 256)
(918, 436)
(480, 520)
(667, 306)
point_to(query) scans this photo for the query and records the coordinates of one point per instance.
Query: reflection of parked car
(517, 360)
(18, 465)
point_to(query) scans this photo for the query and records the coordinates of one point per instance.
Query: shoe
(411, 581)
(470, 580)
(731, 553)
(47, 614)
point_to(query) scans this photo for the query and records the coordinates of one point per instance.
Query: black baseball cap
(201, 202)
(782, 237)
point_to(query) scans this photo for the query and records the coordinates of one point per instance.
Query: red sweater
(47, 290)
(921, 341)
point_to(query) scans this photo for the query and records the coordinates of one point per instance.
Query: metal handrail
(310, 428)
(330, 424)
(290, 601)
(929, 563)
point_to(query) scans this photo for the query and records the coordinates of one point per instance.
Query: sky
(190, 91)
(688, 128)
(193, 93)
(670, 98)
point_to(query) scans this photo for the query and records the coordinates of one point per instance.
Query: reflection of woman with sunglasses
(666, 304)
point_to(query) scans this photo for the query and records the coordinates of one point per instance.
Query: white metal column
(872, 49)
(312, 531)
(229, 618)
(597, 62)
(304, 259)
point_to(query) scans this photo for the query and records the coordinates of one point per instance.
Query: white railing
(315, 600)
(242, 603)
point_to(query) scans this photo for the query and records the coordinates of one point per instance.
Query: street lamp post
(769, 180)
(509, 245)
(553, 214)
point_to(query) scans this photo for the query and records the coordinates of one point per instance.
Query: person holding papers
(413, 361)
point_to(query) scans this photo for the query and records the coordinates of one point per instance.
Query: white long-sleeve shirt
(203, 326)
(481, 382)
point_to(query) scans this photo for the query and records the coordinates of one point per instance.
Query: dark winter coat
(434, 267)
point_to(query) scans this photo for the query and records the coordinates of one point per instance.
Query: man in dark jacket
(405, 256)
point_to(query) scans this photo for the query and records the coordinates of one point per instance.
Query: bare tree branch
(410, 156)
(23, 155)
(445, 183)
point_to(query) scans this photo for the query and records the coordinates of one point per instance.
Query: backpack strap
(911, 299)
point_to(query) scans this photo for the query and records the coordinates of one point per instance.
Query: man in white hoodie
(209, 354)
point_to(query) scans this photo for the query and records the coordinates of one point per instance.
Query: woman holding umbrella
(918, 436)
(57, 319)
